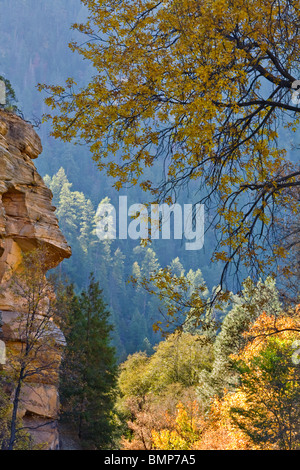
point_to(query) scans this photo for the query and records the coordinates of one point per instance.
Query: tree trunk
(13, 425)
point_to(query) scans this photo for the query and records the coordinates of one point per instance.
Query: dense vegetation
(133, 309)
(238, 389)
(153, 363)
(88, 372)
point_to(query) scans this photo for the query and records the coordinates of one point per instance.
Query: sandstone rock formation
(27, 220)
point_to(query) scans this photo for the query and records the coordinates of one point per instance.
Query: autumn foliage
(261, 413)
(198, 89)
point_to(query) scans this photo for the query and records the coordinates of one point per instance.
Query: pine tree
(176, 267)
(10, 96)
(89, 369)
(246, 308)
(56, 183)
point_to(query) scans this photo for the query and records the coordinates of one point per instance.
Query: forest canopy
(205, 88)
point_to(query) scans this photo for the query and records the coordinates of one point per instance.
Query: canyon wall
(27, 221)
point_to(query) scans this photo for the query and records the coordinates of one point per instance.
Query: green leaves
(11, 99)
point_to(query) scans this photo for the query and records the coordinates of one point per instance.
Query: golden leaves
(182, 81)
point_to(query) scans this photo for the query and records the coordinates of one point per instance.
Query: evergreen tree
(76, 216)
(10, 96)
(56, 183)
(89, 369)
(176, 267)
(195, 278)
(246, 308)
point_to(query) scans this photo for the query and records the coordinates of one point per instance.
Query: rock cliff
(27, 220)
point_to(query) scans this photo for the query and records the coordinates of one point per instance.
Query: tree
(23, 440)
(142, 421)
(10, 96)
(5, 407)
(270, 383)
(56, 184)
(289, 233)
(185, 429)
(183, 300)
(89, 368)
(151, 387)
(179, 359)
(38, 354)
(201, 89)
(176, 267)
(76, 215)
(243, 312)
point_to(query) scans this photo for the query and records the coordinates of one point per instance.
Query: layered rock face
(27, 220)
